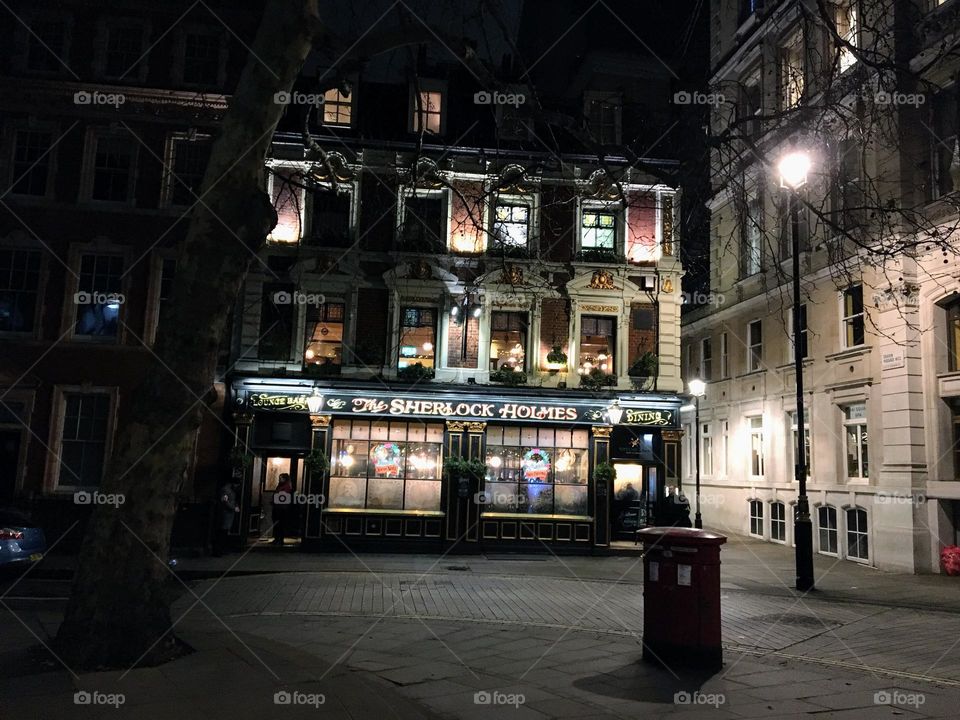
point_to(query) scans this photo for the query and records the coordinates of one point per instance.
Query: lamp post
(794, 168)
(698, 389)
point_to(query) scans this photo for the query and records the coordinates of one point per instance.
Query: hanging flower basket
(950, 560)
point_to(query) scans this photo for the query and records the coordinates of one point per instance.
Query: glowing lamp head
(314, 401)
(794, 168)
(615, 412)
(697, 387)
(428, 346)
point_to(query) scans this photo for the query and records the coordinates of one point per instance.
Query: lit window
(508, 341)
(598, 343)
(778, 522)
(337, 108)
(848, 30)
(756, 518)
(383, 465)
(598, 230)
(853, 317)
(756, 446)
(855, 431)
(538, 471)
(83, 441)
(31, 162)
(418, 336)
(323, 351)
(19, 288)
(754, 346)
(427, 110)
(98, 297)
(511, 225)
(857, 546)
(791, 70)
(827, 529)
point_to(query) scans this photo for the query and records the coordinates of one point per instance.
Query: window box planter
(415, 373)
(509, 377)
(596, 379)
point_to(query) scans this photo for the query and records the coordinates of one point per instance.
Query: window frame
(512, 201)
(339, 101)
(349, 189)
(757, 519)
(862, 533)
(706, 358)
(829, 530)
(757, 454)
(27, 36)
(849, 322)
(605, 100)
(170, 177)
(848, 28)
(37, 326)
(612, 344)
(403, 308)
(525, 315)
(602, 207)
(751, 236)
(180, 61)
(444, 196)
(706, 449)
(862, 440)
(60, 392)
(804, 336)
(71, 316)
(808, 444)
(49, 156)
(91, 146)
(781, 521)
(791, 80)
(724, 356)
(754, 346)
(105, 27)
(416, 110)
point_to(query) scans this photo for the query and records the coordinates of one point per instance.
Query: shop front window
(323, 352)
(381, 465)
(598, 342)
(508, 341)
(418, 336)
(538, 471)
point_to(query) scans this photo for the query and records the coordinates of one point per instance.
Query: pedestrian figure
(227, 508)
(282, 503)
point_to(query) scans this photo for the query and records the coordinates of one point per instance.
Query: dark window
(424, 224)
(943, 141)
(168, 270)
(19, 285)
(799, 338)
(323, 352)
(643, 318)
(98, 297)
(190, 158)
(857, 545)
(46, 46)
(603, 118)
(754, 346)
(113, 168)
(508, 341)
(31, 166)
(538, 471)
(778, 521)
(276, 322)
(827, 528)
(330, 224)
(748, 8)
(756, 518)
(853, 317)
(84, 439)
(124, 50)
(418, 337)
(795, 227)
(386, 465)
(201, 58)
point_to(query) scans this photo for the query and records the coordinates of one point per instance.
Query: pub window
(329, 217)
(598, 342)
(756, 518)
(19, 288)
(31, 162)
(98, 297)
(83, 441)
(511, 225)
(381, 465)
(423, 227)
(853, 317)
(508, 341)
(539, 471)
(855, 427)
(827, 529)
(276, 322)
(857, 546)
(778, 521)
(189, 157)
(337, 108)
(418, 337)
(323, 352)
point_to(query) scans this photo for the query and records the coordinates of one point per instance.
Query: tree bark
(118, 615)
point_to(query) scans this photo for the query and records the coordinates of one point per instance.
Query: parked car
(22, 542)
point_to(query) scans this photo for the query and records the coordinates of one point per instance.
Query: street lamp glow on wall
(794, 167)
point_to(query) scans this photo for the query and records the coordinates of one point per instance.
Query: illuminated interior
(597, 344)
(418, 337)
(508, 338)
(324, 341)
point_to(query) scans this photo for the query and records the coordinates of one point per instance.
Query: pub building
(380, 483)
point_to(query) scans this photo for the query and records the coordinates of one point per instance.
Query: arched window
(827, 529)
(756, 518)
(778, 521)
(857, 534)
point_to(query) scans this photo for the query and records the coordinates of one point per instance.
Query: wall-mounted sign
(600, 308)
(891, 360)
(467, 408)
(647, 417)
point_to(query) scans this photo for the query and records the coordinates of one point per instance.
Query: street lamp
(698, 388)
(794, 168)
(314, 401)
(614, 412)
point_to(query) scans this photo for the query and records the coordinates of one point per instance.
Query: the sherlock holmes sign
(478, 409)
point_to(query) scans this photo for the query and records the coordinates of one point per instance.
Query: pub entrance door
(634, 498)
(266, 476)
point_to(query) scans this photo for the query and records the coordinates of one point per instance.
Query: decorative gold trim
(672, 434)
(666, 236)
(599, 308)
(476, 427)
(358, 511)
(456, 425)
(667, 286)
(602, 280)
(320, 421)
(601, 431)
(532, 516)
(512, 275)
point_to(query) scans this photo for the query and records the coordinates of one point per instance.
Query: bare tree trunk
(118, 615)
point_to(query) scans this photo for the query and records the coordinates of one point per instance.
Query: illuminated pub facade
(382, 483)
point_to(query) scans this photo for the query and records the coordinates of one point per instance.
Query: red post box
(681, 597)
